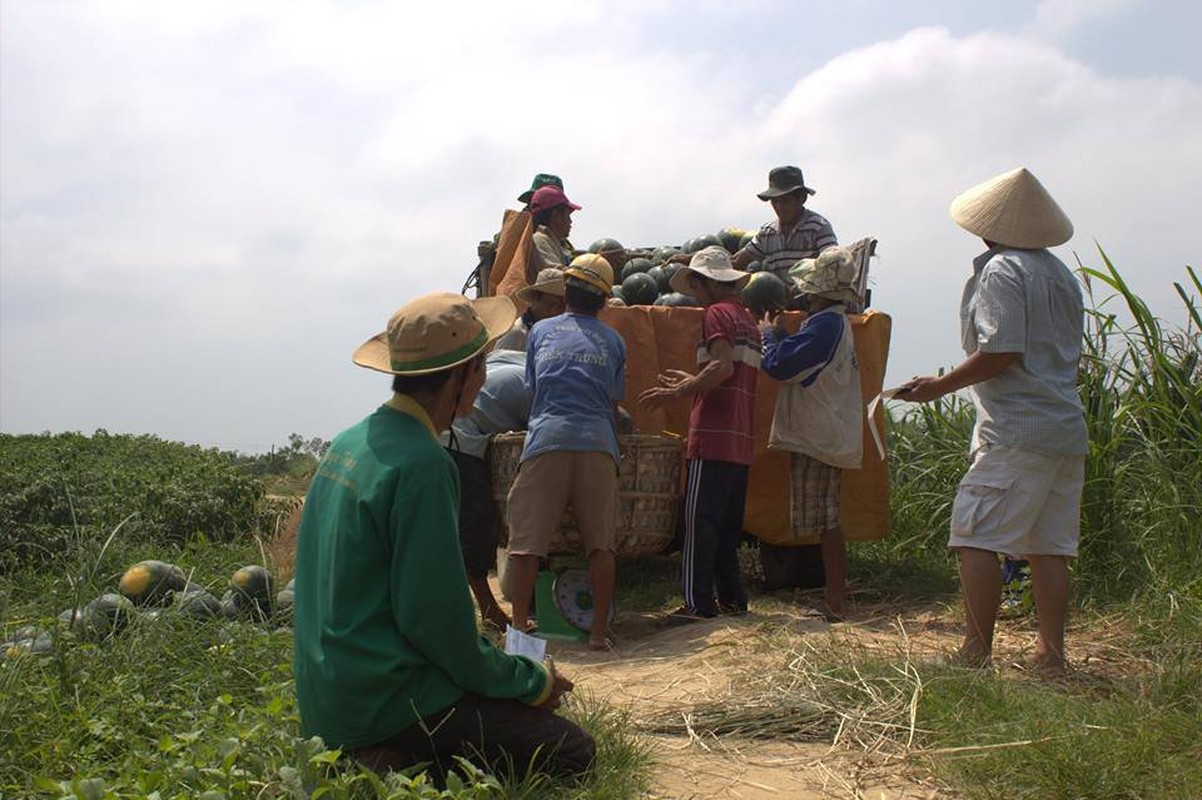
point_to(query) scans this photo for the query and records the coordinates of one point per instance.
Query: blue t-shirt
(576, 368)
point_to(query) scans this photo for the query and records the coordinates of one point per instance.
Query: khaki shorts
(544, 487)
(1019, 503)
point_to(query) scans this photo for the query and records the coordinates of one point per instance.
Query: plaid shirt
(778, 252)
(1026, 302)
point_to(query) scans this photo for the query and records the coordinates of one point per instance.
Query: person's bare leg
(601, 575)
(981, 585)
(834, 564)
(490, 610)
(1050, 580)
(524, 569)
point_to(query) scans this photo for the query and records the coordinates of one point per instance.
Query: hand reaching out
(671, 382)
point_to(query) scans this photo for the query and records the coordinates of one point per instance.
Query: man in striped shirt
(796, 233)
(721, 434)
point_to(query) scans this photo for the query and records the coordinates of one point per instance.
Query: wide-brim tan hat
(713, 262)
(436, 332)
(1012, 209)
(548, 281)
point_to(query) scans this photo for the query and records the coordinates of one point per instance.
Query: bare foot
(599, 643)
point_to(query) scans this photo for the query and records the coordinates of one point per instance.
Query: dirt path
(660, 672)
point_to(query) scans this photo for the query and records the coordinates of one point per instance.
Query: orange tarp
(513, 248)
(660, 338)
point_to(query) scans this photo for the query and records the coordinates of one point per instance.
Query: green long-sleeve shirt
(385, 630)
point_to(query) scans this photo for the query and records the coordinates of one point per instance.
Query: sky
(205, 207)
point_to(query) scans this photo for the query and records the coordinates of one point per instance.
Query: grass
(183, 707)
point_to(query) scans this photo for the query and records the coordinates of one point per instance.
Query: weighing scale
(563, 605)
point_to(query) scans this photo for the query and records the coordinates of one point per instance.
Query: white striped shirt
(778, 252)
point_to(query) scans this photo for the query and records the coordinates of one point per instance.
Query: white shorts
(1019, 503)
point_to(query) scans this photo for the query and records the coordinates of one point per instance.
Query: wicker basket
(648, 492)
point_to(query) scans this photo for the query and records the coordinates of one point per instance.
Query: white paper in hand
(523, 644)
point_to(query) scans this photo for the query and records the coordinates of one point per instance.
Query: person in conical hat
(1022, 321)
(389, 664)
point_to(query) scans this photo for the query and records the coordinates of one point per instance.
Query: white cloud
(222, 200)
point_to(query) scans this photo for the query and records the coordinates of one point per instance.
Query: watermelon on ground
(251, 589)
(152, 582)
(104, 617)
(197, 603)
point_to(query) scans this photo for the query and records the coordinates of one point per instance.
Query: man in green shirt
(388, 661)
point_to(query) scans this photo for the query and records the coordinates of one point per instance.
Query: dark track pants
(506, 736)
(715, 493)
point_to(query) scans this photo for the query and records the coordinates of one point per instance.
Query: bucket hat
(713, 262)
(540, 180)
(549, 197)
(436, 332)
(831, 275)
(594, 270)
(548, 281)
(1012, 209)
(782, 180)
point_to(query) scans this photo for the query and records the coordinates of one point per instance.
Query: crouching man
(388, 661)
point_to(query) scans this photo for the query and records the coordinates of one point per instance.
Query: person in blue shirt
(502, 405)
(576, 368)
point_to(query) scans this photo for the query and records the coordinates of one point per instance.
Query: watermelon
(657, 272)
(103, 617)
(639, 289)
(765, 293)
(250, 588)
(197, 603)
(664, 279)
(661, 254)
(676, 299)
(746, 240)
(152, 582)
(702, 242)
(616, 292)
(731, 239)
(285, 599)
(689, 246)
(605, 246)
(754, 266)
(634, 265)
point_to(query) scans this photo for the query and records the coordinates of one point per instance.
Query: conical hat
(1012, 209)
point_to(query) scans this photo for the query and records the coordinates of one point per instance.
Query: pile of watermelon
(642, 277)
(151, 590)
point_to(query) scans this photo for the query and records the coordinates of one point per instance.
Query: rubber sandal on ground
(685, 615)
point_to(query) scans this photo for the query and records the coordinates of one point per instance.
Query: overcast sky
(205, 206)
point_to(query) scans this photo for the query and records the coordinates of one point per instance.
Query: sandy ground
(658, 670)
